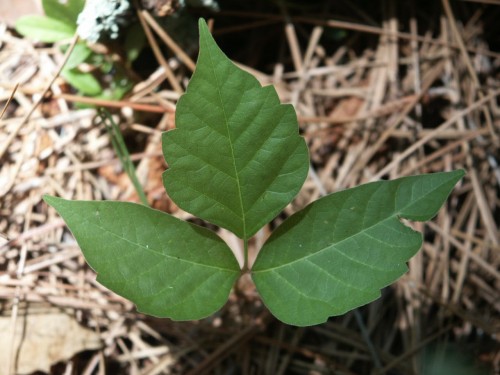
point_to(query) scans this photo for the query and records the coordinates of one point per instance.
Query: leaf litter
(405, 103)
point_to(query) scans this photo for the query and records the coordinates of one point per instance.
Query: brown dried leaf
(42, 339)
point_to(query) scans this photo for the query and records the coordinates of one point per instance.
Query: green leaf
(66, 13)
(166, 266)
(338, 252)
(75, 7)
(79, 54)
(44, 29)
(83, 82)
(236, 158)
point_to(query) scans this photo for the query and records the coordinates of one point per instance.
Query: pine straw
(408, 104)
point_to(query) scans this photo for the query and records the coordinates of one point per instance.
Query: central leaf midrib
(153, 249)
(159, 252)
(231, 146)
(392, 216)
(323, 249)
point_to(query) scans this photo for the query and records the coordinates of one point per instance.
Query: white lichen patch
(102, 18)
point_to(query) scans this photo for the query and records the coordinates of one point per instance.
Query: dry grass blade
(13, 134)
(157, 52)
(168, 40)
(9, 100)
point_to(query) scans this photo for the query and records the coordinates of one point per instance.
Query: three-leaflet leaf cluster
(236, 159)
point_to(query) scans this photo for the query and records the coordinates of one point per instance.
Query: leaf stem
(245, 255)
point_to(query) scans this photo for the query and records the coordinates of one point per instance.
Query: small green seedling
(236, 160)
(59, 24)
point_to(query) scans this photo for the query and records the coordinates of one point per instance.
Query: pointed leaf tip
(236, 158)
(338, 252)
(202, 25)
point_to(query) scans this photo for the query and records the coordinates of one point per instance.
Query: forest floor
(380, 93)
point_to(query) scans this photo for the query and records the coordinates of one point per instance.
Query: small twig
(98, 102)
(13, 134)
(157, 52)
(143, 107)
(169, 41)
(369, 153)
(357, 27)
(98, 163)
(293, 42)
(9, 100)
(430, 135)
(468, 64)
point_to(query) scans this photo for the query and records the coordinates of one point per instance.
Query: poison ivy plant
(236, 160)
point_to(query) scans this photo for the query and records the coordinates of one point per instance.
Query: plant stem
(245, 255)
(122, 152)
